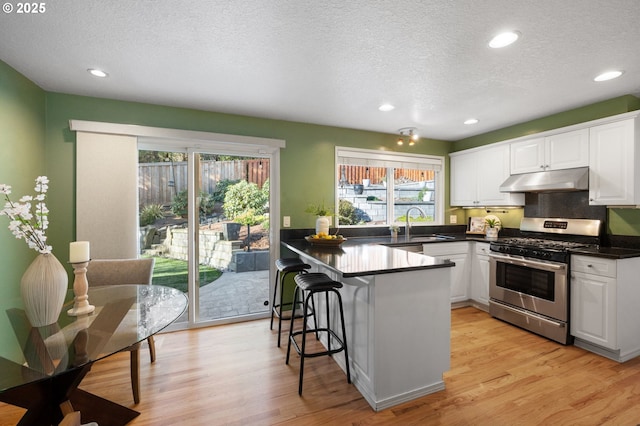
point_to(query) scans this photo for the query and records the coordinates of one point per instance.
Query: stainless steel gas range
(529, 275)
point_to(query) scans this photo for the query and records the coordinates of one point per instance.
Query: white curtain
(107, 194)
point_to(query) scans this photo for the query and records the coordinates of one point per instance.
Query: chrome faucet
(407, 228)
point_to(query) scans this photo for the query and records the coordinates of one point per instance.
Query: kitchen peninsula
(397, 314)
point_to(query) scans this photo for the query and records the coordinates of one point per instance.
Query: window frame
(392, 160)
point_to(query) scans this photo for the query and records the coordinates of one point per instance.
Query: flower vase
(44, 287)
(322, 224)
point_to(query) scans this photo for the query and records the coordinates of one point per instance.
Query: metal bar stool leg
(295, 296)
(344, 336)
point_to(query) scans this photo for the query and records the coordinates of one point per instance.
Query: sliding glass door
(205, 218)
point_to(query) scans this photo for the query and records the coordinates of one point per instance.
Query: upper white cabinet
(561, 151)
(476, 176)
(614, 163)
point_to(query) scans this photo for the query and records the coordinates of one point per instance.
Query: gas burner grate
(543, 243)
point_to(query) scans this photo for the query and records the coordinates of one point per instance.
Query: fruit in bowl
(326, 239)
(325, 236)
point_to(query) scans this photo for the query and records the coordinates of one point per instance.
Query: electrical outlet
(453, 219)
(286, 221)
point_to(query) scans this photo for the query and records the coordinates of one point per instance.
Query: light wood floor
(500, 375)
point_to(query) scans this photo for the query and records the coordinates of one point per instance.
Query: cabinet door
(593, 309)
(567, 150)
(476, 178)
(463, 180)
(459, 277)
(612, 164)
(493, 170)
(480, 274)
(527, 156)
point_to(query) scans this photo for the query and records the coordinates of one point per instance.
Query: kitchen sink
(429, 238)
(414, 244)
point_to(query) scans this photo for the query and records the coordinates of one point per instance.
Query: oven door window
(527, 280)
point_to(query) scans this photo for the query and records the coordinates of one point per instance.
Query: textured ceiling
(333, 62)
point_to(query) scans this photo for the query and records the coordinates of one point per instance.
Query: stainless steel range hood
(550, 181)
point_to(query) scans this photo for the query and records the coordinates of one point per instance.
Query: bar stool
(310, 284)
(285, 267)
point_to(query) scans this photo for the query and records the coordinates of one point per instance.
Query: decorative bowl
(326, 242)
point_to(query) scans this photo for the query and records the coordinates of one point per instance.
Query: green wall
(307, 162)
(22, 128)
(619, 221)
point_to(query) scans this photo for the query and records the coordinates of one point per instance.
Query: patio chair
(102, 272)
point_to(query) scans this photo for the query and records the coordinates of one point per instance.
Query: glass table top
(124, 315)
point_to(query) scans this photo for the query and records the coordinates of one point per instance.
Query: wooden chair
(102, 272)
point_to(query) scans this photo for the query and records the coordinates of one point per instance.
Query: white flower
(25, 224)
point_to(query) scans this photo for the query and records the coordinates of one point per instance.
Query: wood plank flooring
(500, 375)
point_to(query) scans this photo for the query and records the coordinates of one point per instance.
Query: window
(380, 187)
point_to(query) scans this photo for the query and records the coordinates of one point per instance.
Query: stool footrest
(331, 333)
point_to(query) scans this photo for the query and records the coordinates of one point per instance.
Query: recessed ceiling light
(386, 107)
(471, 121)
(97, 73)
(504, 39)
(609, 75)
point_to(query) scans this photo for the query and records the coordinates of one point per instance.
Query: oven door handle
(529, 263)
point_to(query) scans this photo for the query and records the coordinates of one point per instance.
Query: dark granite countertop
(362, 256)
(608, 252)
(359, 256)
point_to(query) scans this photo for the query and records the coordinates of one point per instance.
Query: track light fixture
(408, 135)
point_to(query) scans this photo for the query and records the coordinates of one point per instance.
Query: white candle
(79, 252)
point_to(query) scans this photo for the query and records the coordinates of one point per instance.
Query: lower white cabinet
(458, 253)
(480, 274)
(605, 306)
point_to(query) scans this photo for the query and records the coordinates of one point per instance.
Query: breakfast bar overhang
(397, 313)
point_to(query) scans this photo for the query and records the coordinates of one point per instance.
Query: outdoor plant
(221, 189)
(179, 203)
(319, 210)
(246, 204)
(249, 218)
(346, 213)
(150, 214)
(244, 196)
(25, 223)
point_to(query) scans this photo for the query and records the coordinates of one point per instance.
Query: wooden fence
(158, 183)
(355, 174)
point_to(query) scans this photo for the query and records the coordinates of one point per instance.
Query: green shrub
(150, 214)
(346, 213)
(242, 197)
(179, 203)
(221, 189)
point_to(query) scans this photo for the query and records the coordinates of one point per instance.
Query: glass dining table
(47, 364)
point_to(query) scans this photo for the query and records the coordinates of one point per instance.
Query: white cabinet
(480, 274)
(476, 176)
(593, 300)
(605, 306)
(458, 253)
(554, 152)
(614, 164)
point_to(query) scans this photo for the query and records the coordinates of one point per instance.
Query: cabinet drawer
(594, 265)
(481, 248)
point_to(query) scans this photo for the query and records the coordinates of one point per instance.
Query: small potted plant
(394, 231)
(323, 216)
(492, 227)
